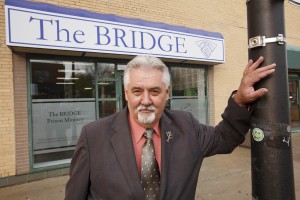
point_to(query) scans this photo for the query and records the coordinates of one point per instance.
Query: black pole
(271, 148)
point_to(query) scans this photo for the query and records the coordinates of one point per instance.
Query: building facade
(62, 64)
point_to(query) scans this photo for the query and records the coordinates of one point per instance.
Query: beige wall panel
(7, 133)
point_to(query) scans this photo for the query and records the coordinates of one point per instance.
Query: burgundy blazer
(104, 167)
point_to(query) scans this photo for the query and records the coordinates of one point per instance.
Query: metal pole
(271, 147)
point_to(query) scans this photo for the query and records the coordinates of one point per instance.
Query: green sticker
(258, 134)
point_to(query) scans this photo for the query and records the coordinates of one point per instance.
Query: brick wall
(7, 138)
(211, 99)
(21, 113)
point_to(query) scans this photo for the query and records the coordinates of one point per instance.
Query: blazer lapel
(123, 147)
(168, 136)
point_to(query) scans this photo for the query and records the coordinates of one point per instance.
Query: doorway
(110, 89)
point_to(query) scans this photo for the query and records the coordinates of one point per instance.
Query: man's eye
(154, 93)
(136, 92)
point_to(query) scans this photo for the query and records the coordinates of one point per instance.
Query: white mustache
(142, 107)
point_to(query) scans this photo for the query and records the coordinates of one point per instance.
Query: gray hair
(146, 61)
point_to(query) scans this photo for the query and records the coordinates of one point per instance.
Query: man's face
(146, 95)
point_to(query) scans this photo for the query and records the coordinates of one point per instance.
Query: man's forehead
(146, 74)
(146, 69)
(146, 82)
(154, 87)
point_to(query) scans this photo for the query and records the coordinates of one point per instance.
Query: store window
(65, 95)
(62, 101)
(294, 90)
(293, 61)
(189, 91)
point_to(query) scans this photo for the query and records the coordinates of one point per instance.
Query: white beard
(146, 118)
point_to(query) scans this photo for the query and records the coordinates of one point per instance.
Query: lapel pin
(169, 136)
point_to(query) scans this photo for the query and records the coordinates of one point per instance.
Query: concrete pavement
(226, 177)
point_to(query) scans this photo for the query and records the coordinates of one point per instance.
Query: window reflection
(106, 70)
(107, 108)
(189, 91)
(185, 81)
(107, 89)
(62, 80)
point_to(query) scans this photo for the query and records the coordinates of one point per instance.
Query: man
(107, 163)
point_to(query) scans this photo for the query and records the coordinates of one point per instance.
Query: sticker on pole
(258, 134)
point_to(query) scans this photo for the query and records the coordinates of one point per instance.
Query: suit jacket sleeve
(77, 188)
(228, 134)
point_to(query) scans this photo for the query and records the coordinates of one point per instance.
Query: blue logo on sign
(206, 47)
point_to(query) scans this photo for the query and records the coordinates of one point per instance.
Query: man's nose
(146, 99)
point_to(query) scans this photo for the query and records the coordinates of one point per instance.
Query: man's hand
(252, 74)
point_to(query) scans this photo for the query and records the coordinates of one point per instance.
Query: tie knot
(148, 133)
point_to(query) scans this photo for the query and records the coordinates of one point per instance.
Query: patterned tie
(150, 171)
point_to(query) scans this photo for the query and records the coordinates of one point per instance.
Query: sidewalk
(226, 177)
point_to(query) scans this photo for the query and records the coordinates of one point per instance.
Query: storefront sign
(295, 2)
(38, 25)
